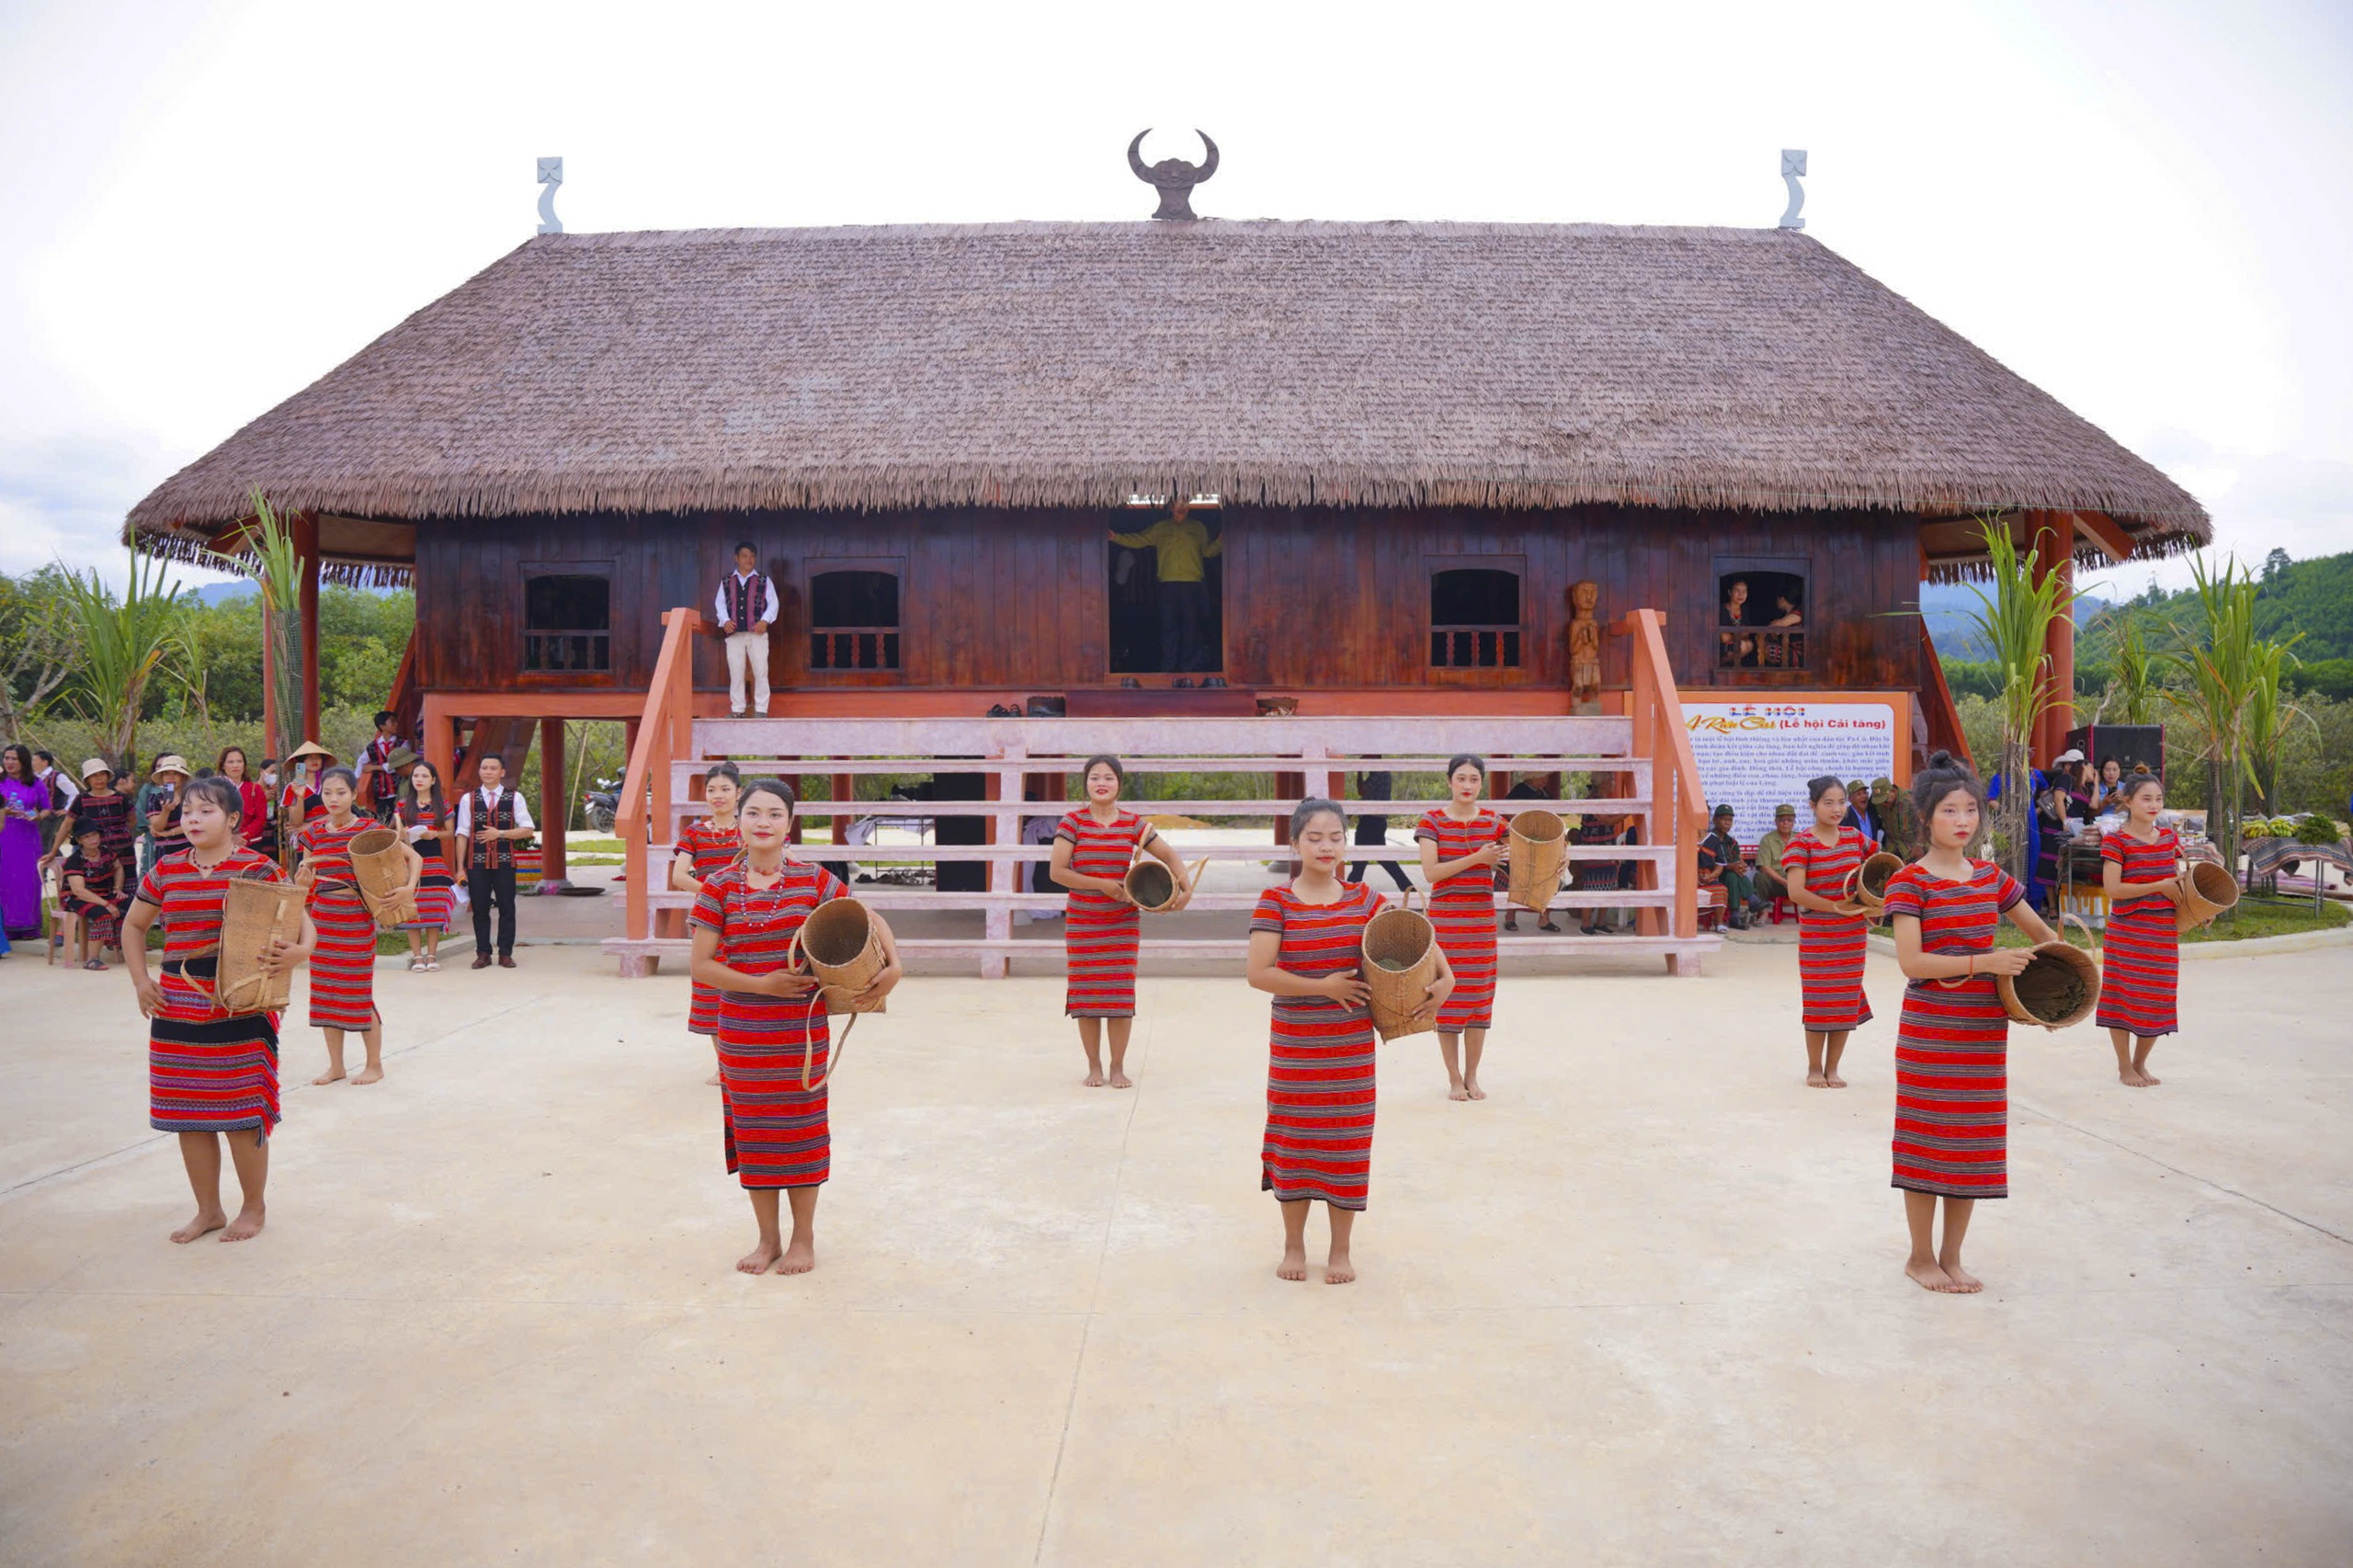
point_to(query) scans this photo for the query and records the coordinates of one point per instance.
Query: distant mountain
(1951, 610)
(221, 593)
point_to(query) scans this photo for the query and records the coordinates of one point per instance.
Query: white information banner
(1755, 755)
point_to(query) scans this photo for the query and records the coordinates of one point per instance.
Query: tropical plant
(2014, 620)
(279, 570)
(2220, 670)
(127, 644)
(2134, 686)
(2269, 716)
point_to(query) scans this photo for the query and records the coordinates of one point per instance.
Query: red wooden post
(306, 543)
(270, 735)
(555, 804)
(2054, 541)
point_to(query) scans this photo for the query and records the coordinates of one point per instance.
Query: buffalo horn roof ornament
(1173, 177)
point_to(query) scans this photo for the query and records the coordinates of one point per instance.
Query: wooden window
(568, 623)
(1763, 615)
(854, 619)
(1474, 618)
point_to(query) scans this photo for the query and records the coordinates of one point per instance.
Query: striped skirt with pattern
(1465, 919)
(1099, 944)
(437, 892)
(1831, 948)
(2140, 969)
(777, 1135)
(343, 969)
(1952, 1091)
(208, 1072)
(1319, 1104)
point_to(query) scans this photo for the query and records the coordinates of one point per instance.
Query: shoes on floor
(506, 960)
(482, 960)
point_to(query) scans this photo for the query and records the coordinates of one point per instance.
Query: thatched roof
(1078, 364)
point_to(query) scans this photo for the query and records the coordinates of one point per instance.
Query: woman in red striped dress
(1093, 847)
(423, 821)
(2140, 952)
(779, 1136)
(1830, 941)
(209, 1074)
(1307, 949)
(343, 967)
(1953, 1046)
(1461, 844)
(706, 846)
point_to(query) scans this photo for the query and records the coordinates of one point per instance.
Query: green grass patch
(575, 847)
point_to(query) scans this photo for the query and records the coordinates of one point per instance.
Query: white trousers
(747, 650)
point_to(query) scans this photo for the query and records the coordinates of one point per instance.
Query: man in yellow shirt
(1179, 546)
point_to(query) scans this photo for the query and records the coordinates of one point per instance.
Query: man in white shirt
(492, 819)
(745, 608)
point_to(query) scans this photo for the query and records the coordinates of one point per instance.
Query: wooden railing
(1677, 810)
(1475, 647)
(664, 734)
(854, 648)
(405, 699)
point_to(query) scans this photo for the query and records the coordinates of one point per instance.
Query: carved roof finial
(1173, 177)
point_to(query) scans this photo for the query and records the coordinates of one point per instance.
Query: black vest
(490, 854)
(745, 597)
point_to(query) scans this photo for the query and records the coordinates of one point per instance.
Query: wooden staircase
(1644, 753)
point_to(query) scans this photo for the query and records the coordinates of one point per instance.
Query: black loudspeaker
(960, 876)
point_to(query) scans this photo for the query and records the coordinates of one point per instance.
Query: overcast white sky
(2147, 209)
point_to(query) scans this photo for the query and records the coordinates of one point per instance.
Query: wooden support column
(2052, 535)
(306, 543)
(270, 731)
(555, 804)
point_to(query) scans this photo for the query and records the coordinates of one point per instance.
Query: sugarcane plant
(2133, 688)
(128, 641)
(2270, 715)
(2220, 664)
(2017, 605)
(279, 570)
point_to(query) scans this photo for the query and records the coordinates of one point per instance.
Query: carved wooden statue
(1585, 650)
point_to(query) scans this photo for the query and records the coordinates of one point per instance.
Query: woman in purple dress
(25, 809)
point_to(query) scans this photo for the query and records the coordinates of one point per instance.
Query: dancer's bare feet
(758, 1259)
(1455, 1091)
(1338, 1270)
(1095, 1079)
(1925, 1273)
(1121, 1081)
(244, 1227)
(206, 1219)
(1963, 1283)
(1831, 1080)
(799, 1258)
(1471, 1090)
(1815, 1078)
(1293, 1266)
(713, 1080)
(332, 1075)
(2149, 1080)
(2132, 1077)
(369, 1075)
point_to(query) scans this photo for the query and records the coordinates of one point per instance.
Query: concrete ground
(1644, 1305)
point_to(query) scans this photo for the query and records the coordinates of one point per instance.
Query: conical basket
(2207, 890)
(1400, 959)
(2058, 988)
(842, 946)
(1539, 848)
(382, 874)
(253, 915)
(1866, 890)
(1154, 886)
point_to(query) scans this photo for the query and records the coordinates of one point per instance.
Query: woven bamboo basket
(2059, 987)
(2207, 890)
(1540, 849)
(1154, 886)
(382, 871)
(1400, 959)
(253, 914)
(1866, 890)
(841, 945)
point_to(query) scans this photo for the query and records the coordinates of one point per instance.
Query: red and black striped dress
(207, 1071)
(1464, 910)
(343, 969)
(1830, 947)
(1320, 1065)
(1099, 931)
(777, 1133)
(2140, 964)
(102, 912)
(436, 897)
(1953, 1048)
(708, 850)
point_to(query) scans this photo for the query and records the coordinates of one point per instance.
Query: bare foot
(2128, 1078)
(333, 1076)
(369, 1075)
(246, 1227)
(712, 1080)
(1834, 1081)
(1095, 1079)
(1925, 1274)
(758, 1260)
(2149, 1080)
(1455, 1091)
(1816, 1079)
(1338, 1270)
(1964, 1283)
(208, 1220)
(1121, 1081)
(1293, 1266)
(1471, 1087)
(799, 1258)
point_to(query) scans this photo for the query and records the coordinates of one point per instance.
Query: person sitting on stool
(492, 819)
(1723, 865)
(745, 605)
(1179, 546)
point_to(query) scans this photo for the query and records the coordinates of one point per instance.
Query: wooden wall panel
(1011, 601)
